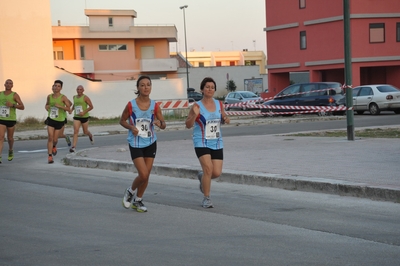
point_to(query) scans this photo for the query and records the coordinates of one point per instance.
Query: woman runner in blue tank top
(139, 117)
(207, 116)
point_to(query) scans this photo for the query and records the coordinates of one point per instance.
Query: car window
(356, 91)
(365, 91)
(294, 89)
(230, 95)
(238, 96)
(387, 88)
(336, 88)
(307, 90)
(249, 94)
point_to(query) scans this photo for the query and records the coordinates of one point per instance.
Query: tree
(230, 85)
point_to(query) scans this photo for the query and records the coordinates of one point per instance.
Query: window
(82, 50)
(201, 64)
(112, 47)
(303, 40)
(218, 63)
(58, 53)
(398, 31)
(232, 63)
(110, 22)
(288, 93)
(302, 4)
(366, 91)
(308, 88)
(376, 32)
(250, 63)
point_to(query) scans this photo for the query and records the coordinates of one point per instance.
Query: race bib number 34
(143, 125)
(213, 129)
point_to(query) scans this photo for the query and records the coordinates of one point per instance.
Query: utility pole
(187, 64)
(347, 69)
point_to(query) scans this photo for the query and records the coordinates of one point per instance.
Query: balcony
(75, 66)
(159, 65)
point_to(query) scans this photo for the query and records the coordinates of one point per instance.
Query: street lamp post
(184, 26)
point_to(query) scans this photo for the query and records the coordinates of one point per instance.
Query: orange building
(111, 47)
(308, 36)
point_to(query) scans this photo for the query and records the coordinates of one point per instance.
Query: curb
(298, 183)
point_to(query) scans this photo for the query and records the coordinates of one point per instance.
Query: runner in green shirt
(9, 102)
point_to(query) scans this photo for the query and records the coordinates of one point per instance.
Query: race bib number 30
(4, 111)
(143, 125)
(213, 129)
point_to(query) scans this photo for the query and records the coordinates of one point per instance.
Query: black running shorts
(215, 154)
(146, 152)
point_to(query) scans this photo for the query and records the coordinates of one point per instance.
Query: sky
(211, 25)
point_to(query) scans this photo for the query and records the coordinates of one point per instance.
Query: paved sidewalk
(367, 168)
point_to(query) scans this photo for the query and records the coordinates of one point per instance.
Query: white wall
(108, 98)
(26, 57)
(221, 74)
(26, 50)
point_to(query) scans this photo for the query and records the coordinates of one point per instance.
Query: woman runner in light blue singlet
(139, 117)
(207, 116)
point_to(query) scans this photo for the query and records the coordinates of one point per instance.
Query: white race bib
(53, 112)
(213, 129)
(78, 109)
(4, 111)
(143, 125)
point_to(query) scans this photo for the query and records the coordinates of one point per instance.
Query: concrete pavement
(367, 168)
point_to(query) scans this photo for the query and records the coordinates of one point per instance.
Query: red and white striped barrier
(296, 110)
(173, 104)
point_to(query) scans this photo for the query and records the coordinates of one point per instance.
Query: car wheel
(360, 112)
(244, 108)
(374, 109)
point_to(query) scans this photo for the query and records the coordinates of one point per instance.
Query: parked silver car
(242, 97)
(376, 98)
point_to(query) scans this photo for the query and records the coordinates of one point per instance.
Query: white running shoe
(127, 199)
(207, 203)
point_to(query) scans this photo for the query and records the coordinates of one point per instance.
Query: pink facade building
(308, 36)
(112, 47)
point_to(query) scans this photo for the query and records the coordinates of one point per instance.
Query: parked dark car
(309, 94)
(194, 95)
(242, 97)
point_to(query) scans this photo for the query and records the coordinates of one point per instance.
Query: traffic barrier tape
(276, 97)
(173, 104)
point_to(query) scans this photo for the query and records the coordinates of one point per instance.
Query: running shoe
(72, 149)
(10, 155)
(127, 199)
(199, 176)
(207, 203)
(68, 140)
(91, 140)
(54, 151)
(139, 206)
(50, 159)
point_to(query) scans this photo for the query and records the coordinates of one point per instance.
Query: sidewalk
(367, 168)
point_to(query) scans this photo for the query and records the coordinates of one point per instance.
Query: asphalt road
(62, 215)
